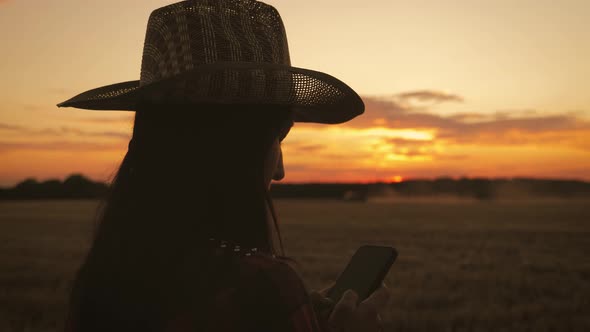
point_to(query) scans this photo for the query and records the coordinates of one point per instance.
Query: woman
(188, 239)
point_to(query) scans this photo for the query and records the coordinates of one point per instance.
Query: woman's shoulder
(274, 266)
(274, 280)
(276, 270)
(261, 276)
(274, 294)
(265, 293)
(252, 262)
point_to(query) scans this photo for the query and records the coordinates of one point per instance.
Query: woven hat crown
(187, 34)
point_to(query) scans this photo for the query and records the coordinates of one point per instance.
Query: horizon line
(412, 179)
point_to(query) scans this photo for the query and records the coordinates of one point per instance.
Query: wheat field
(462, 265)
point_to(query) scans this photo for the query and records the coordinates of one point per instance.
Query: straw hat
(224, 52)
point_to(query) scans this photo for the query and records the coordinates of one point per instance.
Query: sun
(396, 179)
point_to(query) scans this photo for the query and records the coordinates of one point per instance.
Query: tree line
(78, 186)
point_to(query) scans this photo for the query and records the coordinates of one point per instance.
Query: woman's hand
(347, 316)
(322, 305)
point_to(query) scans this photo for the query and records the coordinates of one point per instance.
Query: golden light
(409, 134)
(396, 179)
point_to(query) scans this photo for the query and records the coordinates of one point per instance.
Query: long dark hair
(190, 174)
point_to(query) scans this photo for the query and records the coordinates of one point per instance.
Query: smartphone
(365, 272)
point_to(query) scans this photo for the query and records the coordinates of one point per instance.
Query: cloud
(63, 131)
(446, 156)
(121, 119)
(417, 148)
(19, 138)
(83, 133)
(404, 142)
(513, 127)
(411, 147)
(377, 112)
(299, 147)
(58, 146)
(462, 131)
(393, 114)
(429, 96)
(9, 127)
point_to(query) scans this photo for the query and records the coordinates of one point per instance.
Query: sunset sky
(452, 88)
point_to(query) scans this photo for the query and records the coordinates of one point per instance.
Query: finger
(315, 295)
(367, 312)
(344, 309)
(379, 298)
(325, 291)
(320, 296)
(379, 324)
(320, 302)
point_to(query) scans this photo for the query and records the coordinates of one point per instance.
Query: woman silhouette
(188, 239)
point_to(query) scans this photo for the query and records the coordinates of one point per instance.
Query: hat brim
(313, 96)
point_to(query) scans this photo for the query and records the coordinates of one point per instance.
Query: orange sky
(452, 88)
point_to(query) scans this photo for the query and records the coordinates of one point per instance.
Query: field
(463, 265)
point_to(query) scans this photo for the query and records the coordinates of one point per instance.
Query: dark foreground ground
(463, 266)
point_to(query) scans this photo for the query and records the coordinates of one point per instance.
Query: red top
(267, 295)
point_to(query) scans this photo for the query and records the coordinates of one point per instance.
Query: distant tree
(51, 189)
(355, 196)
(444, 185)
(27, 188)
(482, 189)
(78, 186)
(74, 187)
